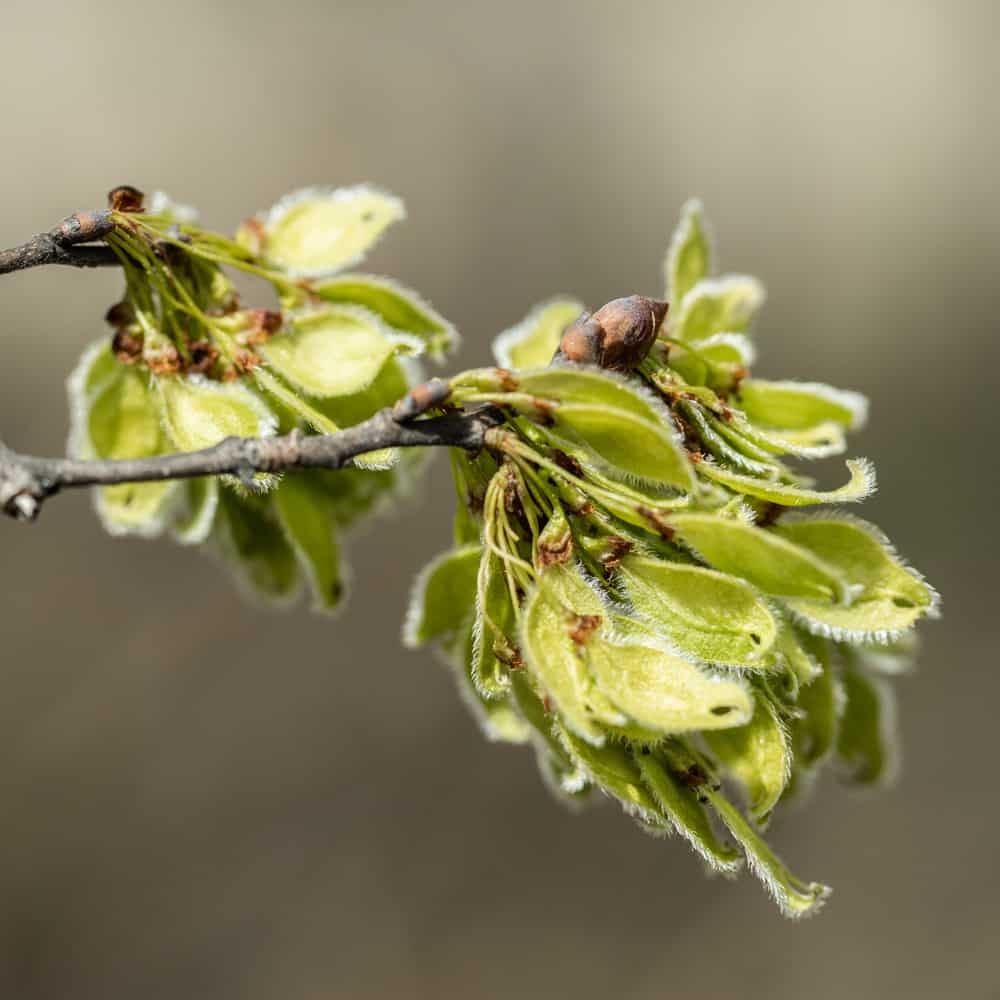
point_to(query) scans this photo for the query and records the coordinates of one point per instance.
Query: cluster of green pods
(644, 590)
(188, 364)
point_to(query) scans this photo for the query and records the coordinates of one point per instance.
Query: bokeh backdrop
(201, 799)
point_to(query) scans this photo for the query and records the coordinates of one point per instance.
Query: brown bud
(125, 198)
(630, 326)
(618, 336)
(120, 315)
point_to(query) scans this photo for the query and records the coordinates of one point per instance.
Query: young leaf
(686, 814)
(689, 258)
(534, 340)
(256, 548)
(800, 405)
(703, 613)
(866, 743)
(201, 500)
(664, 693)
(318, 231)
(795, 897)
(304, 514)
(860, 485)
(757, 755)
(766, 560)
(443, 598)
(888, 596)
(717, 305)
(397, 306)
(333, 351)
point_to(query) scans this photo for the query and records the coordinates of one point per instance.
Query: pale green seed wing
(768, 561)
(704, 613)
(318, 231)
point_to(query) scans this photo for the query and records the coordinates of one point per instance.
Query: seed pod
(618, 336)
(707, 614)
(398, 306)
(198, 413)
(333, 351)
(115, 417)
(318, 231)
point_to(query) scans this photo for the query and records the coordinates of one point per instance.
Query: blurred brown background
(202, 800)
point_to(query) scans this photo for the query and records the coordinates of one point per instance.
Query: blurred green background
(201, 799)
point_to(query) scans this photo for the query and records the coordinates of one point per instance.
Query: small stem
(617, 503)
(198, 249)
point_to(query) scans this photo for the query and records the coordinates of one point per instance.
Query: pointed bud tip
(659, 309)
